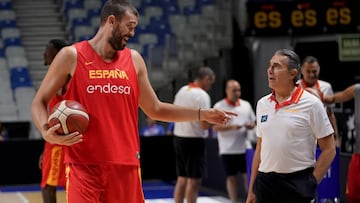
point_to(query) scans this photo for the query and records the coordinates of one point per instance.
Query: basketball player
(51, 161)
(353, 179)
(232, 138)
(111, 82)
(290, 124)
(310, 72)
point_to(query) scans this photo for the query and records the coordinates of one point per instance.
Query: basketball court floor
(154, 191)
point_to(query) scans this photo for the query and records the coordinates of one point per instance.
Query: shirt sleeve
(320, 122)
(216, 105)
(204, 101)
(258, 107)
(252, 114)
(328, 91)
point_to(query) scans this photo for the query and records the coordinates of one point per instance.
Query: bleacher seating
(10, 32)
(14, 51)
(94, 23)
(75, 15)
(9, 112)
(138, 47)
(4, 75)
(6, 5)
(92, 4)
(2, 49)
(14, 72)
(20, 77)
(177, 23)
(192, 26)
(186, 4)
(24, 96)
(169, 17)
(17, 61)
(82, 32)
(171, 35)
(69, 4)
(7, 18)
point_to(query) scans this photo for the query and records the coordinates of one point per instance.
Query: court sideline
(154, 191)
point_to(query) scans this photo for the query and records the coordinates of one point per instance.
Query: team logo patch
(264, 118)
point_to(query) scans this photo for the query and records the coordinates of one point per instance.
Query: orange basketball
(71, 115)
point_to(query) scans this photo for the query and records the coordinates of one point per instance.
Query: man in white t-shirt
(232, 138)
(189, 142)
(290, 122)
(310, 71)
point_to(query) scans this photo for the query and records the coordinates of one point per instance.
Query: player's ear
(112, 19)
(294, 73)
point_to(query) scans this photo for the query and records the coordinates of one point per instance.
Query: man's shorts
(103, 183)
(190, 157)
(53, 167)
(233, 163)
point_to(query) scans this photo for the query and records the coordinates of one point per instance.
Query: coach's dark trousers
(297, 187)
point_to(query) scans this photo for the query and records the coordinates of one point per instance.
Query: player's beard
(116, 40)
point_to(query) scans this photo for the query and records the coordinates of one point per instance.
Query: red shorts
(353, 179)
(53, 167)
(105, 183)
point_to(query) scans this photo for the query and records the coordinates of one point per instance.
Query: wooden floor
(157, 192)
(35, 197)
(28, 197)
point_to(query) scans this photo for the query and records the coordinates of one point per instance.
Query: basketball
(71, 115)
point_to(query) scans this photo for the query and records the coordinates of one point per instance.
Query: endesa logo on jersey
(108, 88)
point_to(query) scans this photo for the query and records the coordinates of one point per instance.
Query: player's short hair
(59, 43)
(204, 72)
(310, 59)
(117, 8)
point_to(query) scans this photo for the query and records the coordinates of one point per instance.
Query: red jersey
(53, 167)
(53, 101)
(109, 92)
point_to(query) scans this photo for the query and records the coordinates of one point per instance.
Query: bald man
(232, 138)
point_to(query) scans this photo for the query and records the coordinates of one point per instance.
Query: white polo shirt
(235, 141)
(324, 87)
(289, 133)
(191, 96)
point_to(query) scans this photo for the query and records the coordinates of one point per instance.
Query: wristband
(199, 113)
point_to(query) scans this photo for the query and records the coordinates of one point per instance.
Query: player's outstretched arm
(342, 96)
(167, 112)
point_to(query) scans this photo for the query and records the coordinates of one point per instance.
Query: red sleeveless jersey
(109, 91)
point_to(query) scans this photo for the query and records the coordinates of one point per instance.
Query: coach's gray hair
(293, 61)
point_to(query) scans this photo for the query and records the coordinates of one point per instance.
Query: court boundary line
(22, 197)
